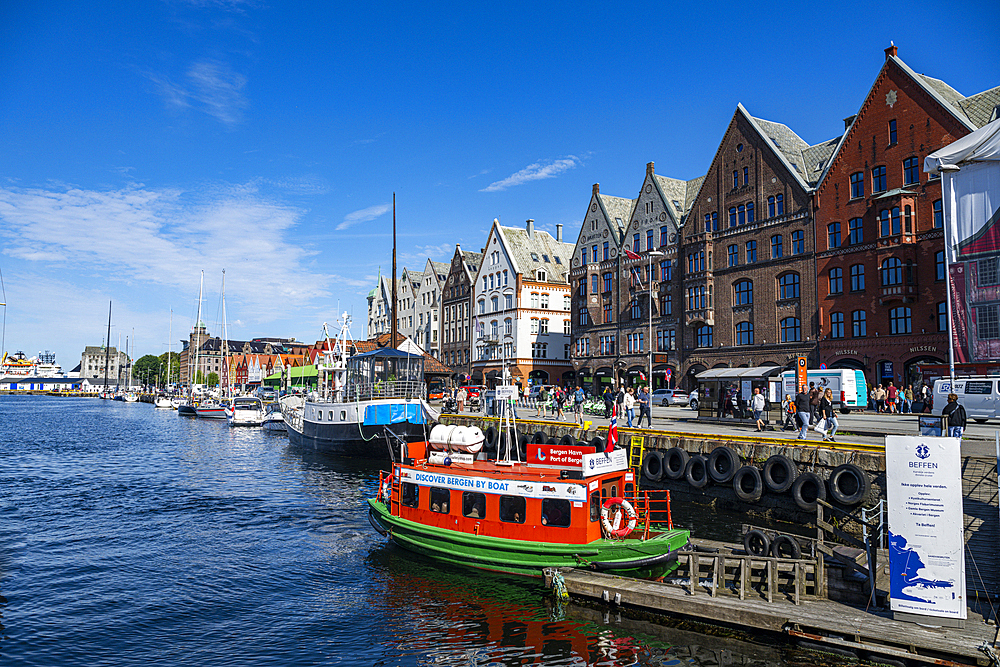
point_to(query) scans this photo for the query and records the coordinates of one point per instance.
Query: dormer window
(541, 274)
(545, 258)
(534, 256)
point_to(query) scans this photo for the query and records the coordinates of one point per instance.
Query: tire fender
(567, 440)
(779, 473)
(675, 463)
(652, 466)
(539, 438)
(756, 543)
(696, 471)
(748, 485)
(723, 464)
(598, 444)
(808, 487)
(785, 544)
(848, 484)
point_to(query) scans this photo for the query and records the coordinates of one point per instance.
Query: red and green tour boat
(566, 505)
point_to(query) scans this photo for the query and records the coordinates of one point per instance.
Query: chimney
(891, 51)
(559, 233)
(649, 168)
(597, 188)
(848, 121)
(530, 226)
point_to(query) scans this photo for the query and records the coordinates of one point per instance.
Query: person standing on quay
(891, 393)
(788, 410)
(578, 398)
(827, 412)
(908, 399)
(609, 401)
(802, 407)
(814, 397)
(628, 404)
(460, 397)
(757, 406)
(956, 416)
(644, 407)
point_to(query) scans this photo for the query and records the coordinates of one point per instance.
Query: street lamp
(649, 276)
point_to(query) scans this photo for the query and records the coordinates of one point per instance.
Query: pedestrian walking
(757, 407)
(879, 399)
(828, 414)
(788, 410)
(543, 396)
(560, 399)
(460, 397)
(609, 401)
(802, 412)
(891, 393)
(814, 398)
(908, 399)
(578, 398)
(956, 416)
(644, 401)
(628, 404)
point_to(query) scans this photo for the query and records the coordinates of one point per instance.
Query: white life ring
(618, 530)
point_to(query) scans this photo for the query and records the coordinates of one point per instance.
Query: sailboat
(162, 401)
(216, 408)
(188, 408)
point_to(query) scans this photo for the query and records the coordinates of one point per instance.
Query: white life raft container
(458, 438)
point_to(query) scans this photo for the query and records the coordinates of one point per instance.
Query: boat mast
(225, 341)
(170, 348)
(107, 351)
(194, 373)
(392, 326)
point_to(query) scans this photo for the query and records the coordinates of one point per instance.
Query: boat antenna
(3, 336)
(107, 351)
(392, 321)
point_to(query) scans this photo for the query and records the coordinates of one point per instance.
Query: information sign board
(926, 555)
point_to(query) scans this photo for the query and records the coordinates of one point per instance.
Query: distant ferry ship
(19, 365)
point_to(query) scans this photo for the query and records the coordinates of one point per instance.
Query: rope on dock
(559, 585)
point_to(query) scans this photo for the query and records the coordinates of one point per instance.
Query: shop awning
(737, 373)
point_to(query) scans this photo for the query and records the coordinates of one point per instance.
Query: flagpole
(947, 191)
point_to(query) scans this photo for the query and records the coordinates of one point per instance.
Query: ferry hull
(649, 559)
(353, 440)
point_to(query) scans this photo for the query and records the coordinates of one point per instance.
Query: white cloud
(212, 87)
(534, 172)
(364, 215)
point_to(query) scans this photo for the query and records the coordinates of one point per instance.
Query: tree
(175, 367)
(213, 379)
(146, 366)
(199, 377)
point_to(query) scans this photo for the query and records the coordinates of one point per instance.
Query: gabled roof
(520, 247)
(618, 211)
(983, 107)
(678, 195)
(800, 158)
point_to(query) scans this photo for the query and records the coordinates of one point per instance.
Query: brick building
(879, 220)
(456, 311)
(748, 255)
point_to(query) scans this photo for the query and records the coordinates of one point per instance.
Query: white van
(978, 394)
(850, 391)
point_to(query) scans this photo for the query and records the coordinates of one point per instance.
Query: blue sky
(145, 141)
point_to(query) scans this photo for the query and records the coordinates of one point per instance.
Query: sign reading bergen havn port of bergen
(926, 555)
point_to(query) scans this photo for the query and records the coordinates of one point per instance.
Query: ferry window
(440, 500)
(614, 490)
(595, 506)
(319, 415)
(629, 490)
(474, 505)
(409, 494)
(555, 512)
(512, 509)
(343, 415)
(331, 415)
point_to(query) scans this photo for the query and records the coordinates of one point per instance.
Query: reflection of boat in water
(273, 421)
(462, 507)
(245, 411)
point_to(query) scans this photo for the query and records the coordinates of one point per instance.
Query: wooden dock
(869, 634)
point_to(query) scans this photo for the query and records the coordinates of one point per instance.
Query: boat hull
(645, 559)
(353, 440)
(216, 412)
(186, 410)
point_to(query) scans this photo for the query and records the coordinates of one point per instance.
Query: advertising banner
(801, 372)
(926, 554)
(559, 456)
(595, 464)
(507, 487)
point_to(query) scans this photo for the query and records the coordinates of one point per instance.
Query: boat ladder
(636, 452)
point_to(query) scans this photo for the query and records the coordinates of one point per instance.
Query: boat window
(343, 415)
(604, 494)
(555, 512)
(331, 415)
(474, 505)
(512, 509)
(595, 506)
(614, 490)
(409, 494)
(440, 500)
(319, 415)
(629, 490)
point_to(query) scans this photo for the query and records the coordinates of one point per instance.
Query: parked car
(536, 389)
(667, 397)
(693, 400)
(474, 393)
(660, 396)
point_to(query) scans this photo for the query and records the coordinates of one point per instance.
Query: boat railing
(366, 391)
(652, 507)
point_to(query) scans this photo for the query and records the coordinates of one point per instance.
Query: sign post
(801, 374)
(926, 542)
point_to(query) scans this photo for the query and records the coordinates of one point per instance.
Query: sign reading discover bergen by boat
(507, 487)
(926, 557)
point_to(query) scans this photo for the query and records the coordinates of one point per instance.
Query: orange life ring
(616, 530)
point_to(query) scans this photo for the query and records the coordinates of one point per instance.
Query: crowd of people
(893, 399)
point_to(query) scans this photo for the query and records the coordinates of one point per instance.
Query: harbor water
(132, 536)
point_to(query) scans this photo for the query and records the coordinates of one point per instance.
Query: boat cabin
(385, 373)
(556, 496)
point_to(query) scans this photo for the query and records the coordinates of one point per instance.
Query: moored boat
(565, 506)
(162, 401)
(245, 411)
(210, 409)
(273, 420)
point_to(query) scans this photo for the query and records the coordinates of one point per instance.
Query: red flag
(629, 254)
(612, 430)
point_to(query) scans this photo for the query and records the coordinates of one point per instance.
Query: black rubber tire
(783, 544)
(567, 440)
(522, 448)
(756, 543)
(845, 411)
(748, 485)
(696, 471)
(808, 487)
(501, 441)
(598, 443)
(779, 473)
(723, 464)
(539, 438)
(652, 466)
(552, 441)
(675, 463)
(848, 484)
(490, 442)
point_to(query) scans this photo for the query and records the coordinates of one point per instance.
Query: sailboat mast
(107, 350)
(194, 372)
(170, 347)
(225, 340)
(392, 326)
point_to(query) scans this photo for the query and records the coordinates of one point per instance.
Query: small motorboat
(273, 419)
(210, 409)
(245, 411)
(162, 401)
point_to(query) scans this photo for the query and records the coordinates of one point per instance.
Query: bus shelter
(724, 393)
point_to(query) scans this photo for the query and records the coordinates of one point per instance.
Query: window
(889, 223)
(507, 326)
(856, 231)
(594, 253)
(744, 333)
(878, 179)
(595, 284)
(741, 214)
(859, 324)
(836, 280)
(567, 327)
(892, 131)
(703, 336)
(939, 265)
(635, 343)
(708, 222)
(942, 316)
(583, 257)
(858, 278)
(833, 235)
(791, 330)
(540, 274)
(409, 494)
(715, 222)
(635, 244)
(534, 299)
(495, 302)
(788, 286)
(911, 174)
(666, 269)
(567, 302)
(649, 239)
(538, 350)
(751, 248)
(938, 215)
(732, 217)
(608, 318)
(857, 185)
(892, 272)
(543, 326)
(798, 242)
(899, 320)
(583, 287)
(505, 277)
(584, 318)
(440, 500)
(836, 325)
(749, 212)
(987, 322)
(545, 301)
(635, 310)
(701, 261)
(534, 325)
(696, 298)
(663, 236)
(512, 509)
(776, 247)
(743, 293)
(474, 505)
(606, 254)
(494, 330)
(555, 512)
(736, 179)
(734, 255)
(482, 306)
(666, 305)
(989, 272)
(607, 282)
